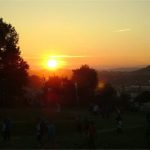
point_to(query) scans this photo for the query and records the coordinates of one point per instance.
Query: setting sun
(52, 64)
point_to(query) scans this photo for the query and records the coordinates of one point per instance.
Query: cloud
(69, 56)
(56, 56)
(123, 30)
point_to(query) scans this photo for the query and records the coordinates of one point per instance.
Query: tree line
(82, 89)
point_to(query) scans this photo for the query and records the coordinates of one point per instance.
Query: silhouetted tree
(87, 80)
(59, 90)
(106, 98)
(13, 69)
(35, 81)
(52, 90)
(68, 92)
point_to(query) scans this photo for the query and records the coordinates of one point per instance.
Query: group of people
(44, 127)
(87, 129)
(119, 120)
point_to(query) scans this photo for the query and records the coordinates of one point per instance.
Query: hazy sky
(104, 33)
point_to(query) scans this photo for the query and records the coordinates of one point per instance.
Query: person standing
(51, 132)
(79, 125)
(6, 129)
(95, 109)
(119, 123)
(40, 130)
(91, 135)
(148, 127)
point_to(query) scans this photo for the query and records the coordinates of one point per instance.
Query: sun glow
(52, 64)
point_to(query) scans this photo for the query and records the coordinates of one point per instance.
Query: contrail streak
(123, 30)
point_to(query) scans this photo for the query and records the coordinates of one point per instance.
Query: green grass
(24, 132)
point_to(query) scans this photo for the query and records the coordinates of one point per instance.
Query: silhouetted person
(90, 108)
(6, 129)
(79, 125)
(85, 128)
(95, 109)
(40, 129)
(119, 123)
(91, 135)
(104, 112)
(85, 125)
(148, 127)
(51, 132)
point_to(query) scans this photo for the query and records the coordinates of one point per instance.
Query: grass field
(24, 131)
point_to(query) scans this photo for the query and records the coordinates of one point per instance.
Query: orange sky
(101, 33)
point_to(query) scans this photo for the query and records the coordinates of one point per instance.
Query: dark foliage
(87, 81)
(13, 69)
(59, 90)
(106, 98)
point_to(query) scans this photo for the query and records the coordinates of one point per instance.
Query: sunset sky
(101, 33)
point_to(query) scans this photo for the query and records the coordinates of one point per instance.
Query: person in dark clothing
(119, 123)
(6, 129)
(51, 132)
(79, 125)
(91, 135)
(40, 130)
(85, 125)
(148, 127)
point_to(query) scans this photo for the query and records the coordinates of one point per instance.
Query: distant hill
(137, 77)
(143, 70)
(122, 76)
(130, 69)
